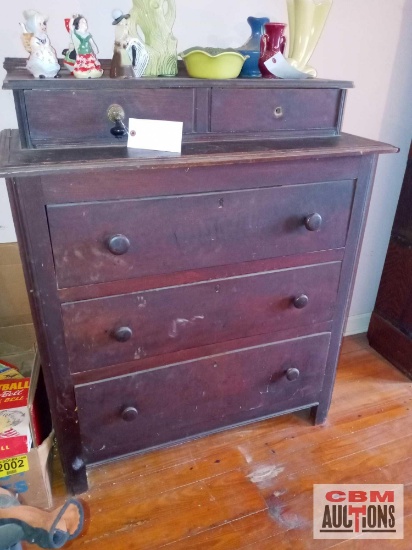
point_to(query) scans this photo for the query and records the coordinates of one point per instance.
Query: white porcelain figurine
(87, 65)
(42, 62)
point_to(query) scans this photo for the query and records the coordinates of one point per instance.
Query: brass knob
(300, 301)
(278, 112)
(292, 374)
(118, 244)
(122, 334)
(129, 414)
(313, 222)
(115, 112)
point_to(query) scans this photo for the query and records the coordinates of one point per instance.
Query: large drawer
(125, 328)
(85, 112)
(116, 240)
(278, 110)
(171, 403)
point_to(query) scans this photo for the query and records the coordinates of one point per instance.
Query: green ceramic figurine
(87, 65)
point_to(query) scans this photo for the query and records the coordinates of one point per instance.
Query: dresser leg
(318, 414)
(76, 479)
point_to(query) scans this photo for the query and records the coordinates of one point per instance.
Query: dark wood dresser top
(15, 161)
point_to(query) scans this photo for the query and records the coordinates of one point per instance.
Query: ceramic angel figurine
(130, 57)
(87, 65)
(42, 62)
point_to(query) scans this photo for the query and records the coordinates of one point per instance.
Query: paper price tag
(155, 135)
(15, 465)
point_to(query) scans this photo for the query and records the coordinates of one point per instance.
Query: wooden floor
(251, 488)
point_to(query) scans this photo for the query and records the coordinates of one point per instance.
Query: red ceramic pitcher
(271, 43)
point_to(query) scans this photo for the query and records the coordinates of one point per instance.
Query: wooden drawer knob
(118, 244)
(313, 222)
(278, 112)
(122, 334)
(300, 301)
(129, 414)
(292, 374)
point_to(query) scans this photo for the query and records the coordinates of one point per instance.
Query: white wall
(367, 41)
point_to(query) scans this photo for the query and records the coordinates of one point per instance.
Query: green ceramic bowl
(213, 63)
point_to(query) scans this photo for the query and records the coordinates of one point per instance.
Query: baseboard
(357, 324)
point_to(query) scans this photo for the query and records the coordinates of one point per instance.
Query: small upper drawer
(115, 240)
(67, 112)
(118, 329)
(80, 116)
(275, 110)
(147, 409)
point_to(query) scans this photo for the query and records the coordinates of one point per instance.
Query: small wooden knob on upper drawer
(118, 244)
(122, 334)
(300, 301)
(313, 222)
(292, 374)
(129, 413)
(278, 112)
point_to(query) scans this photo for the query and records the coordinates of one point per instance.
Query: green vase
(306, 21)
(156, 19)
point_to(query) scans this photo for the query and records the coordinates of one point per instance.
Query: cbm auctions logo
(351, 511)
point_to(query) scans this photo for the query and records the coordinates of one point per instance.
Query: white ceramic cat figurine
(42, 62)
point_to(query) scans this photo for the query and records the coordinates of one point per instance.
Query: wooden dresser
(176, 295)
(390, 329)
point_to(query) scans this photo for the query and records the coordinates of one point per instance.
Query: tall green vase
(155, 18)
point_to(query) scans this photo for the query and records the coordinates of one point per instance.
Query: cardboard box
(25, 470)
(33, 486)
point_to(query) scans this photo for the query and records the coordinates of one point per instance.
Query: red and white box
(15, 435)
(15, 432)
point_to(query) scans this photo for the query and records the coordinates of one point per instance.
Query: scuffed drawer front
(116, 240)
(120, 329)
(80, 116)
(167, 404)
(274, 110)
